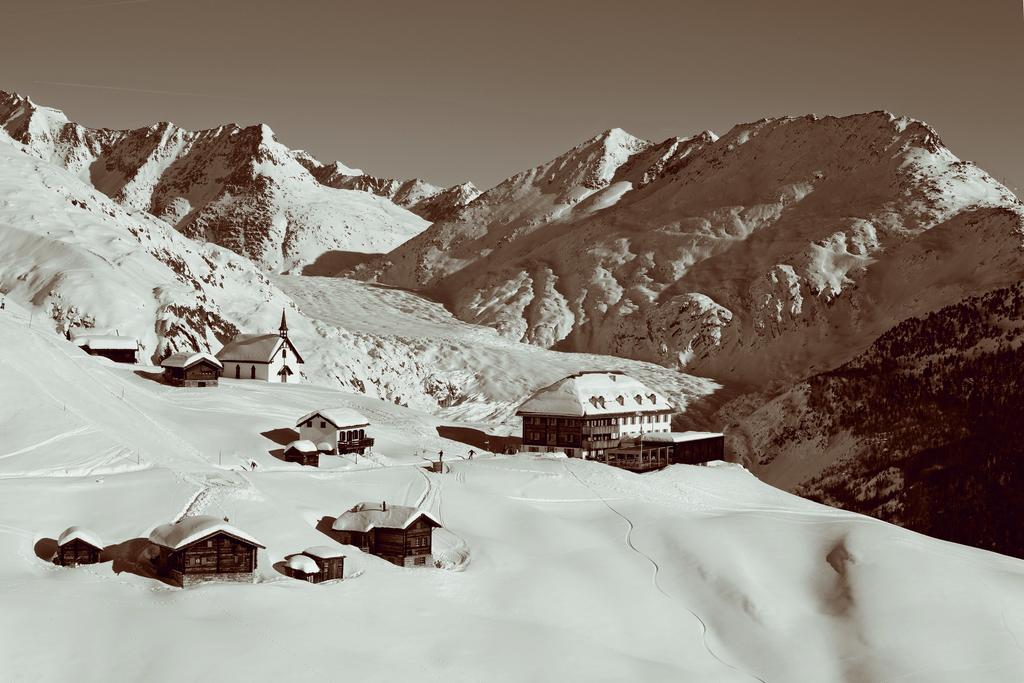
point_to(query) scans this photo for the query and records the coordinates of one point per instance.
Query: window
(238, 371)
(252, 372)
(322, 424)
(419, 560)
(309, 423)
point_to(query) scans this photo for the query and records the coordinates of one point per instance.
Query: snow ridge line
(657, 568)
(191, 505)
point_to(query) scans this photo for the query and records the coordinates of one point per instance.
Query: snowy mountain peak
(238, 187)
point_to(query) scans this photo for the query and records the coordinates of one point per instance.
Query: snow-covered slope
(237, 187)
(691, 574)
(784, 246)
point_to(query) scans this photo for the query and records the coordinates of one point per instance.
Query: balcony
(355, 446)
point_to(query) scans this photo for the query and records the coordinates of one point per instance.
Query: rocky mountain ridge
(234, 186)
(784, 247)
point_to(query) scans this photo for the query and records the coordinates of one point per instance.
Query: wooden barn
(336, 431)
(303, 452)
(77, 546)
(115, 347)
(316, 565)
(401, 535)
(204, 549)
(690, 448)
(191, 370)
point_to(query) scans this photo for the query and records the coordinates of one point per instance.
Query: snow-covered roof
(303, 563)
(595, 393)
(187, 359)
(342, 418)
(191, 529)
(302, 445)
(366, 516)
(80, 533)
(106, 342)
(324, 552)
(325, 446)
(680, 437)
(254, 348)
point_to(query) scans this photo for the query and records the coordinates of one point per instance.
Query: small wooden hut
(330, 560)
(303, 452)
(401, 535)
(78, 546)
(192, 370)
(303, 568)
(203, 549)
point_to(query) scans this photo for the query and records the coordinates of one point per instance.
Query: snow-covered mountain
(234, 186)
(77, 258)
(785, 246)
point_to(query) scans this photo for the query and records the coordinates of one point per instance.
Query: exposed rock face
(237, 187)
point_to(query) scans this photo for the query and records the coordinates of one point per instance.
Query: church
(265, 357)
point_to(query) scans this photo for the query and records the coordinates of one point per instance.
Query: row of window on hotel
(627, 420)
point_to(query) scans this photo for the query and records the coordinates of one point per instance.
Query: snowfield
(558, 569)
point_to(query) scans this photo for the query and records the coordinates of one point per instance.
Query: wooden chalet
(586, 414)
(191, 369)
(77, 546)
(203, 549)
(401, 535)
(336, 431)
(115, 347)
(303, 452)
(264, 357)
(316, 565)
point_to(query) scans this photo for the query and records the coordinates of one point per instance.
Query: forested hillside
(936, 407)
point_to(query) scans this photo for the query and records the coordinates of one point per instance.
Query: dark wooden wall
(77, 551)
(217, 554)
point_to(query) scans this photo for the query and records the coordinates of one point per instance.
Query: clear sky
(451, 91)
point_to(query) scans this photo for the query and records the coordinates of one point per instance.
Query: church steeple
(283, 330)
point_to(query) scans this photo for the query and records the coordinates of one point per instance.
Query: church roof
(594, 393)
(255, 348)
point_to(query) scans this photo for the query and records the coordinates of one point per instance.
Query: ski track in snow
(77, 431)
(654, 576)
